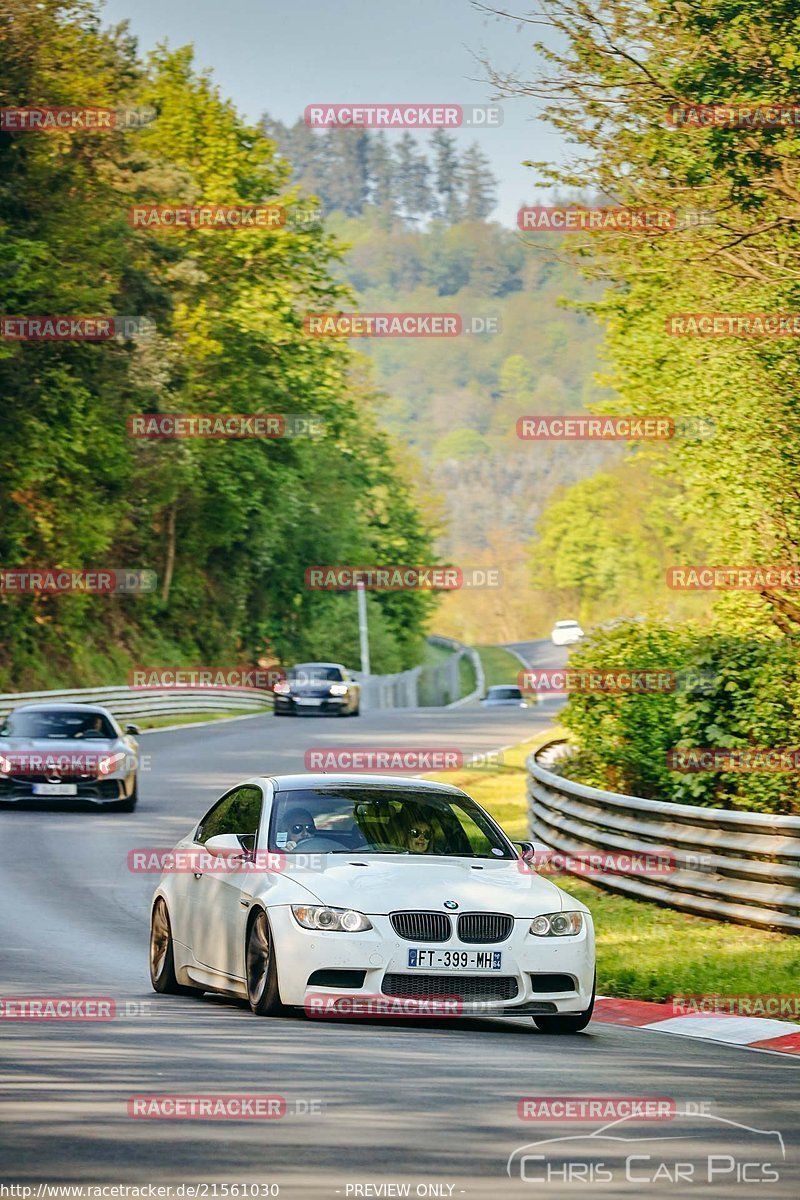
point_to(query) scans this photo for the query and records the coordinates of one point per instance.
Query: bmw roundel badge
(450, 904)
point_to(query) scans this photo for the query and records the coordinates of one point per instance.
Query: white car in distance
(566, 632)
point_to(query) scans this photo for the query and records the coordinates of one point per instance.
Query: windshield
(505, 693)
(312, 673)
(375, 820)
(58, 724)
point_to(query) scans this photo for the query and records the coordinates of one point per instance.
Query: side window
(239, 812)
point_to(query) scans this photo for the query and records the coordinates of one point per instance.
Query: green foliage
(731, 692)
(228, 526)
(605, 544)
(730, 498)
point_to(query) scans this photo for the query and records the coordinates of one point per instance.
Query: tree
(447, 177)
(347, 170)
(229, 526)
(480, 186)
(412, 175)
(382, 171)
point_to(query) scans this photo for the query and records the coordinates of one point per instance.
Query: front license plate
(55, 789)
(307, 701)
(456, 960)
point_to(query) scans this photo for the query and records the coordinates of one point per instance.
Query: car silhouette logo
(450, 904)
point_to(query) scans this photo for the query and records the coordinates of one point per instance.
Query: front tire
(262, 969)
(567, 1024)
(162, 956)
(129, 803)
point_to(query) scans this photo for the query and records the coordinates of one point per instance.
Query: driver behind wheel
(299, 827)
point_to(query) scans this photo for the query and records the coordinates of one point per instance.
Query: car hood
(385, 883)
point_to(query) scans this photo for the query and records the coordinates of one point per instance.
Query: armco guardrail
(129, 703)
(435, 685)
(734, 866)
(422, 687)
(462, 651)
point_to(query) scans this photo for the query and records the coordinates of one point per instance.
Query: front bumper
(17, 789)
(323, 704)
(378, 961)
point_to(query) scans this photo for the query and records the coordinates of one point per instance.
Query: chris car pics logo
(699, 1149)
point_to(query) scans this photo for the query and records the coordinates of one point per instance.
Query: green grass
(434, 655)
(498, 665)
(188, 719)
(643, 950)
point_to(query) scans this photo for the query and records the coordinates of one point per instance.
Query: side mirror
(226, 845)
(527, 851)
(132, 729)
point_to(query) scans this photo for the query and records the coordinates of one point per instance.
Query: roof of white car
(290, 783)
(70, 706)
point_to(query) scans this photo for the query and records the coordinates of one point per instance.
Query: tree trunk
(169, 565)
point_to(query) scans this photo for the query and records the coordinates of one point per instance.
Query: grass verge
(498, 665)
(146, 723)
(643, 950)
(435, 655)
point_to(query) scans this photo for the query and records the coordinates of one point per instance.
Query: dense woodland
(229, 527)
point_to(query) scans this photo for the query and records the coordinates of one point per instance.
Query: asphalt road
(431, 1105)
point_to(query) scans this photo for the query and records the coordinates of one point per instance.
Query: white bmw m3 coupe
(305, 886)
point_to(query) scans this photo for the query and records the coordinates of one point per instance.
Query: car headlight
(110, 763)
(338, 689)
(334, 920)
(563, 924)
